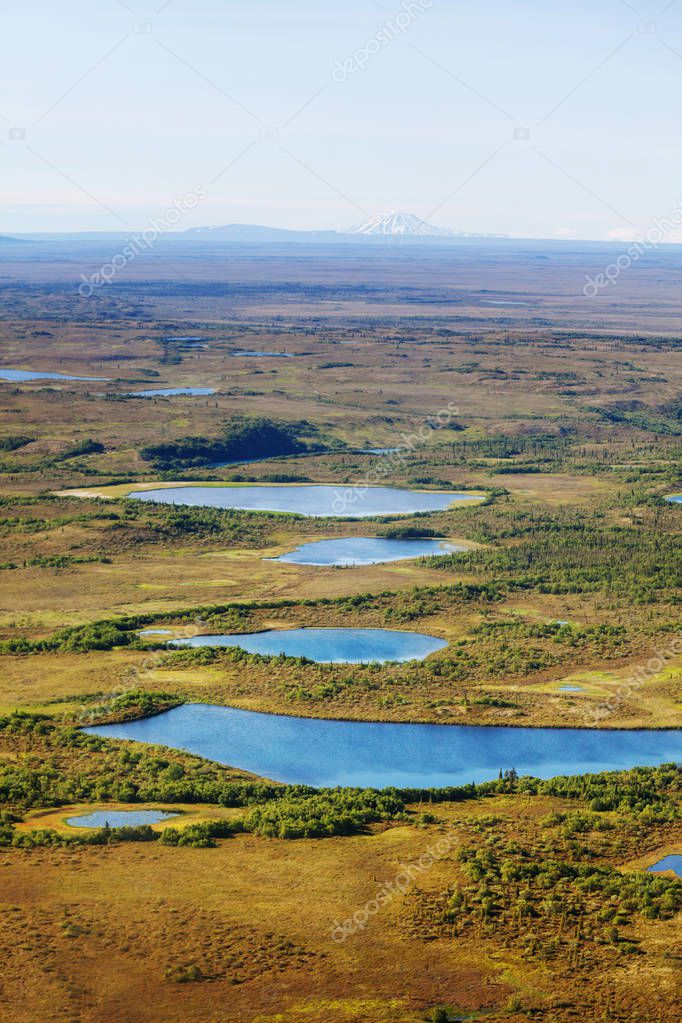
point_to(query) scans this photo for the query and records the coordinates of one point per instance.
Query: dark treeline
(241, 440)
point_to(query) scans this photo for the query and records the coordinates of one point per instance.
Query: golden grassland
(113, 933)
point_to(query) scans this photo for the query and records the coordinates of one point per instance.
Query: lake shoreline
(381, 721)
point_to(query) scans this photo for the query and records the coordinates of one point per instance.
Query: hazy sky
(110, 111)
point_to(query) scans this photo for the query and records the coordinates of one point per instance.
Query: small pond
(265, 355)
(672, 862)
(675, 498)
(365, 550)
(162, 392)
(315, 501)
(312, 751)
(329, 646)
(119, 818)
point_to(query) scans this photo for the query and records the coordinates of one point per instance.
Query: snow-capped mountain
(402, 224)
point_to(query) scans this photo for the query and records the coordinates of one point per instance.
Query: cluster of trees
(14, 442)
(104, 635)
(553, 906)
(570, 552)
(242, 439)
(337, 812)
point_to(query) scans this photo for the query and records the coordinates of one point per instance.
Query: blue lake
(570, 689)
(364, 550)
(119, 818)
(673, 862)
(313, 501)
(22, 375)
(330, 646)
(326, 753)
(675, 498)
(167, 391)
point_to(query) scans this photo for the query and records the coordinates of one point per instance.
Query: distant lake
(317, 752)
(675, 498)
(331, 646)
(314, 501)
(119, 818)
(365, 550)
(166, 391)
(22, 375)
(673, 862)
(265, 355)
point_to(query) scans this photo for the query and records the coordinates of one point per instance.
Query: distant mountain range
(394, 224)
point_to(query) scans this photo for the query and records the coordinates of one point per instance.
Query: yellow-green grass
(176, 575)
(256, 916)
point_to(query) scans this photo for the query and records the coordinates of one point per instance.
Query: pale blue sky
(133, 113)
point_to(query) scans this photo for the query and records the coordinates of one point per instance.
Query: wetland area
(266, 644)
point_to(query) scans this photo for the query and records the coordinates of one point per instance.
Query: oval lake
(329, 646)
(365, 550)
(310, 500)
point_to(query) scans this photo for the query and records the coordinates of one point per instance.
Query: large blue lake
(364, 550)
(164, 392)
(317, 752)
(21, 375)
(675, 498)
(330, 646)
(313, 501)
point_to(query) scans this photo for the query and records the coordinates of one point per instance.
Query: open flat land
(493, 374)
